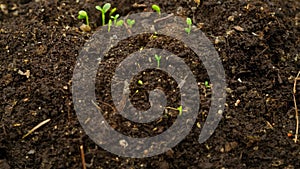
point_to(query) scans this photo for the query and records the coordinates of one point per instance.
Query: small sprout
(103, 10)
(109, 25)
(180, 110)
(115, 18)
(130, 22)
(153, 36)
(157, 58)
(206, 84)
(83, 15)
(120, 23)
(140, 82)
(189, 23)
(112, 12)
(156, 8)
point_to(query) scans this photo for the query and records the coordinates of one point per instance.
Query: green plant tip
(157, 58)
(130, 22)
(103, 10)
(189, 21)
(180, 110)
(206, 84)
(120, 23)
(112, 11)
(140, 82)
(83, 15)
(156, 8)
(109, 25)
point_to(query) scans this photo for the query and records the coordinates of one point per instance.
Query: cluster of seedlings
(113, 19)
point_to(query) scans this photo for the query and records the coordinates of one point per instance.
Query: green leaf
(109, 25)
(130, 22)
(99, 8)
(187, 30)
(140, 82)
(112, 11)
(156, 8)
(106, 7)
(189, 21)
(157, 57)
(206, 84)
(180, 110)
(82, 14)
(120, 23)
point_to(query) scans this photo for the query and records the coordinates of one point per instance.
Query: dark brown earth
(260, 54)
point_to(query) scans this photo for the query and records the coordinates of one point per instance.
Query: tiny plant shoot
(130, 22)
(180, 110)
(206, 84)
(156, 8)
(157, 58)
(109, 25)
(189, 23)
(83, 15)
(112, 12)
(103, 10)
(120, 23)
(140, 82)
(115, 18)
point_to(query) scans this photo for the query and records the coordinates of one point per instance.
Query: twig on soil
(296, 109)
(82, 157)
(263, 51)
(163, 18)
(36, 127)
(98, 107)
(136, 5)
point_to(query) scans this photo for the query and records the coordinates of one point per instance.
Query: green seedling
(206, 84)
(130, 22)
(112, 12)
(156, 8)
(189, 23)
(179, 109)
(157, 58)
(109, 25)
(115, 18)
(120, 23)
(103, 10)
(140, 82)
(83, 15)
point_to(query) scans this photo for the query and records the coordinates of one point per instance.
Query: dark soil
(260, 54)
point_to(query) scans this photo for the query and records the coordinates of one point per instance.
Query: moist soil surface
(257, 41)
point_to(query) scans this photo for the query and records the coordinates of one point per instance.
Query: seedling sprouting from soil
(115, 19)
(83, 15)
(130, 22)
(109, 25)
(112, 12)
(156, 8)
(179, 109)
(189, 23)
(206, 84)
(140, 82)
(103, 10)
(120, 23)
(157, 58)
